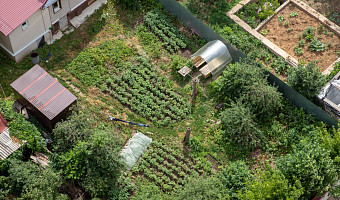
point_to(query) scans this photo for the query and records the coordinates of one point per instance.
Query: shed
(7, 146)
(43, 96)
(329, 97)
(212, 58)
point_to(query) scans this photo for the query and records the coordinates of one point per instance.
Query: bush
(233, 177)
(239, 125)
(271, 184)
(201, 188)
(308, 80)
(237, 79)
(21, 128)
(95, 162)
(311, 165)
(78, 127)
(32, 183)
(264, 100)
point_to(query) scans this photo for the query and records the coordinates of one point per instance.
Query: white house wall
(5, 42)
(65, 8)
(20, 38)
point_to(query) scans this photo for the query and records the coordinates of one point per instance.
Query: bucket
(35, 58)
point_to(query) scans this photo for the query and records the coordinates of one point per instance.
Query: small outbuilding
(43, 96)
(329, 97)
(212, 58)
(7, 146)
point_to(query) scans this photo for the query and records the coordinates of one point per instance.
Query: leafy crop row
(142, 90)
(169, 168)
(162, 26)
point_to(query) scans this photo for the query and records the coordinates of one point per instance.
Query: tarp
(134, 149)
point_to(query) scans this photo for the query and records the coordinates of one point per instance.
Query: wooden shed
(43, 96)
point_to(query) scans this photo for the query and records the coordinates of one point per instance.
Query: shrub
(308, 80)
(239, 125)
(237, 78)
(77, 127)
(234, 176)
(271, 184)
(96, 163)
(264, 100)
(32, 183)
(311, 165)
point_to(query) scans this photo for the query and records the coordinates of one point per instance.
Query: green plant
(311, 165)
(308, 80)
(286, 24)
(316, 45)
(279, 65)
(302, 43)
(281, 18)
(264, 32)
(271, 184)
(289, 30)
(201, 188)
(240, 127)
(293, 14)
(234, 177)
(320, 28)
(298, 50)
(309, 33)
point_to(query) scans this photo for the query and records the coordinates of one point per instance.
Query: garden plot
(295, 32)
(302, 36)
(169, 168)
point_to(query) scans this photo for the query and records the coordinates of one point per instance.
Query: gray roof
(7, 146)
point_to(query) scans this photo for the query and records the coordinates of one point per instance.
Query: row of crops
(162, 26)
(169, 168)
(142, 90)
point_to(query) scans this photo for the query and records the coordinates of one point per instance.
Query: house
(26, 25)
(43, 96)
(7, 146)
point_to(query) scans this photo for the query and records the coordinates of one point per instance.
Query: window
(56, 6)
(24, 25)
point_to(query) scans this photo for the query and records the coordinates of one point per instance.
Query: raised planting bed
(302, 36)
(295, 32)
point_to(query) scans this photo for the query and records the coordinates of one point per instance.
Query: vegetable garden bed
(281, 33)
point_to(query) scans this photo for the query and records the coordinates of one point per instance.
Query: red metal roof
(14, 12)
(44, 92)
(3, 123)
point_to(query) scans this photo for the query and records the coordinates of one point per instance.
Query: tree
(78, 127)
(308, 80)
(95, 162)
(34, 183)
(271, 184)
(234, 178)
(311, 165)
(239, 125)
(201, 188)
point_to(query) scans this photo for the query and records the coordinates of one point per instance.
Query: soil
(328, 8)
(278, 34)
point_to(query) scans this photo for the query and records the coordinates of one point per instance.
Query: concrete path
(78, 20)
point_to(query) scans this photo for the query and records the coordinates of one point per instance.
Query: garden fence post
(194, 91)
(187, 136)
